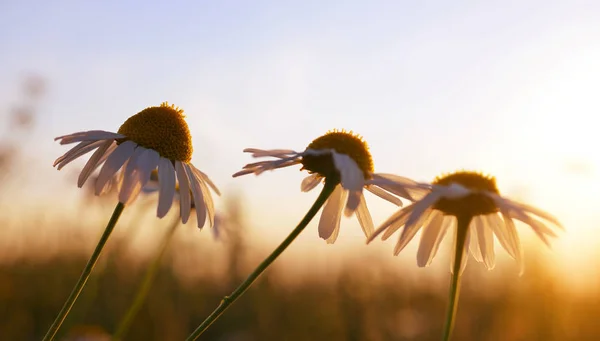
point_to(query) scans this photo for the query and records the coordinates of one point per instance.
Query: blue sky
(506, 87)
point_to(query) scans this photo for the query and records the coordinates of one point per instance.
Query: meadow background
(507, 87)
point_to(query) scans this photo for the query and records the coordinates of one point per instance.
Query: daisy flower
(471, 201)
(344, 158)
(155, 138)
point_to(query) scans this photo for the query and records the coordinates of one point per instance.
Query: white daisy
(469, 197)
(344, 158)
(155, 138)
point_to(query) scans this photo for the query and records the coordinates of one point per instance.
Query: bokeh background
(509, 88)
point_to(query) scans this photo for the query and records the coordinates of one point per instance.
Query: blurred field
(364, 301)
(43, 252)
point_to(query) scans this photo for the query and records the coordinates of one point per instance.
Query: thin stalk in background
(147, 282)
(85, 275)
(228, 300)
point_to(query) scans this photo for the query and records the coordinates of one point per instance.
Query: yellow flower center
(473, 204)
(162, 129)
(343, 143)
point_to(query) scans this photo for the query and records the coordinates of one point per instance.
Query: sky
(509, 88)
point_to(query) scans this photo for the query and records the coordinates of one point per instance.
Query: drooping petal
(197, 194)
(258, 168)
(206, 179)
(208, 201)
(131, 185)
(91, 135)
(92, 163)
(310, 182)
(147, 163)
(166, 181)
(517, 206)
(364, 217)
(432, 236)
(185, 203)
(280, 153)
(80, 149)
(486, 242)
(113, 163)
(514, 238)
(400, 186)
(378, 191)
(423, 205)
(329, 223)
(539, 228)
(411, 229)
(504, 236)
(393, 223)
(474, 244)
(351, 176)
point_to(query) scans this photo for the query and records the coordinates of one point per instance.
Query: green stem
(461, 236)
(85, 275)
(228, 300)
(146, 284)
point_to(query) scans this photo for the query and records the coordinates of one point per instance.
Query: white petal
(131, 185)
(411, 229)
(329, 223)
(147, 163)
(206, 179)
(474, 244)
(184, 192)
(512, 233)
(423, 205)
(93, 162)
(354, 199)
(351, 176)
(91, 135)
(539, 228)
(393, 223)
(281, 153)
(113, 163)
(513, 205)
(453, 191)
(486, 242)
(199, 205)
(378, 191)
(258, 168)
(166, 181)
(109, 150)
(505, 237)
(208, 201)
(310, 182)
(400, 186)
(431, 238)
(364, 217)
(80, 149)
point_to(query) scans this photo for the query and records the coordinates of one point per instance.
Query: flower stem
(461, 236)
(146, 284)
(85, 275)
(228, 300)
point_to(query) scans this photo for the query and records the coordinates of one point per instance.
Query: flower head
(341, 158)
(157, 138)
(475, 198)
